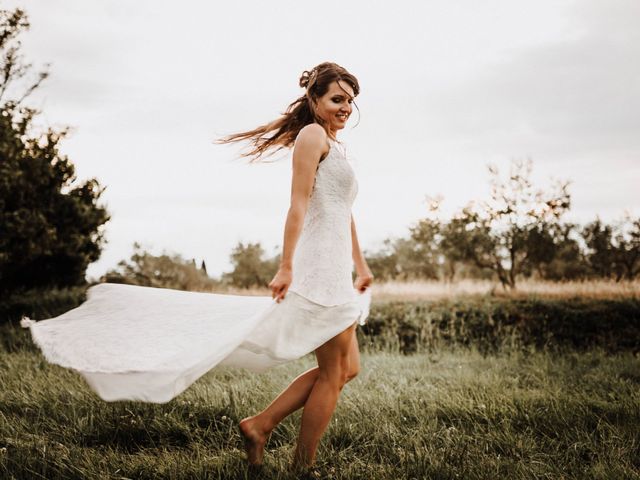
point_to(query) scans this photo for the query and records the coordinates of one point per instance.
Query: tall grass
(437, 290)
(449, 414)
(411, 290)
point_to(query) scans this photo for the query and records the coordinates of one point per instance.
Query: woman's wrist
(286, 266)
(363, 270)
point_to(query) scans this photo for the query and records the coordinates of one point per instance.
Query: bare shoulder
(313, 129)
(310, 146)
(313, 139)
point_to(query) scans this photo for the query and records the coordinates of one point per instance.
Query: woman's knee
(337, 376)
(353, 372)
(354, 360)
(335, 359)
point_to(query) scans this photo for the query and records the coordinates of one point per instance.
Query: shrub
(495, 324)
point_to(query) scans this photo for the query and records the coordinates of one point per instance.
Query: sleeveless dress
(149, 344)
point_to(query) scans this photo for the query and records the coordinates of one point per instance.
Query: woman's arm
(310, 146)
(364, 276)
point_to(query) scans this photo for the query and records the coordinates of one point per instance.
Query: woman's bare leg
(256, 429)
(354, 358)
(333, 362)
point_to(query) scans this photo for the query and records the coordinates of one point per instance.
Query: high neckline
(339, 146)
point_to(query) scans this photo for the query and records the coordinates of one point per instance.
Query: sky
(447, 87)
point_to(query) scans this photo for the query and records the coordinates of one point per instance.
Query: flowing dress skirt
(149, 344)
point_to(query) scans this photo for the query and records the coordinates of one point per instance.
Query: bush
(36, 304)
(495, 324)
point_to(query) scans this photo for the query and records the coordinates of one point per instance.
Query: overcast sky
(446, 88)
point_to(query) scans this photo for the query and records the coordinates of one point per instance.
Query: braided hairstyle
(284, 130)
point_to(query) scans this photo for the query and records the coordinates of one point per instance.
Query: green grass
(445, 415)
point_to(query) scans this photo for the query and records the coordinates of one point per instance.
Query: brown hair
(297, 115)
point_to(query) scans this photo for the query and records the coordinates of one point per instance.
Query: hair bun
(307, 77)
(304, 79)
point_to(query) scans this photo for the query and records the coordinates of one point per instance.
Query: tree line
(172, 270)
(517, 233)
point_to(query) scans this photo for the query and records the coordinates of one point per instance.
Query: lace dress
(149, 344)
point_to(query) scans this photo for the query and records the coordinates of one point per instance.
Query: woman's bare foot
(255, 439)
(302, 471)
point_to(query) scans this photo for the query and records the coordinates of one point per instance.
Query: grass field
(450, 415)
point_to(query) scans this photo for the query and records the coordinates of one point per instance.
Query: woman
(321, 272)
(149, 344)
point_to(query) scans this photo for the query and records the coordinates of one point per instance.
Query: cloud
(576, 95)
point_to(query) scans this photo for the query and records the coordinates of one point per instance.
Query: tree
(384, 262)
(613, 250)
(627, 249)
(598, 239)
(249, 268)
(405, 258)
(50, 226)
(423, 261)
(458, 243)
(161, 271)
(502, 234)
(561, 257)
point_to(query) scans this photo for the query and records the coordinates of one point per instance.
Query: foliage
(423, 239)
(39, 304)
(491, 325)
(561, 257)
(250, 269)
(509, 233)
(517, 233)
(162, 271)
(384, 263)
(613, 250)
(51, 227)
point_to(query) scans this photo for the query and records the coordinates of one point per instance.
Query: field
(436, 290)
(454, 414)
(446, 412)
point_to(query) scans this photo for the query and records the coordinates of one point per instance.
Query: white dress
(149, 344)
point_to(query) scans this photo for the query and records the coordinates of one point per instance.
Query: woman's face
(334, 107)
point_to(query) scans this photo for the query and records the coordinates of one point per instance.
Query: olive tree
(507, 234)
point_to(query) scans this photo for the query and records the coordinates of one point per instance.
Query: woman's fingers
(282, 293)
(362, 283)
(279, 291)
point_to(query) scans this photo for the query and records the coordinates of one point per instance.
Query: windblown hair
(282, 132)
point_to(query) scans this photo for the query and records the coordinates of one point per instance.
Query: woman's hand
(280, 283)
(363, 280)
